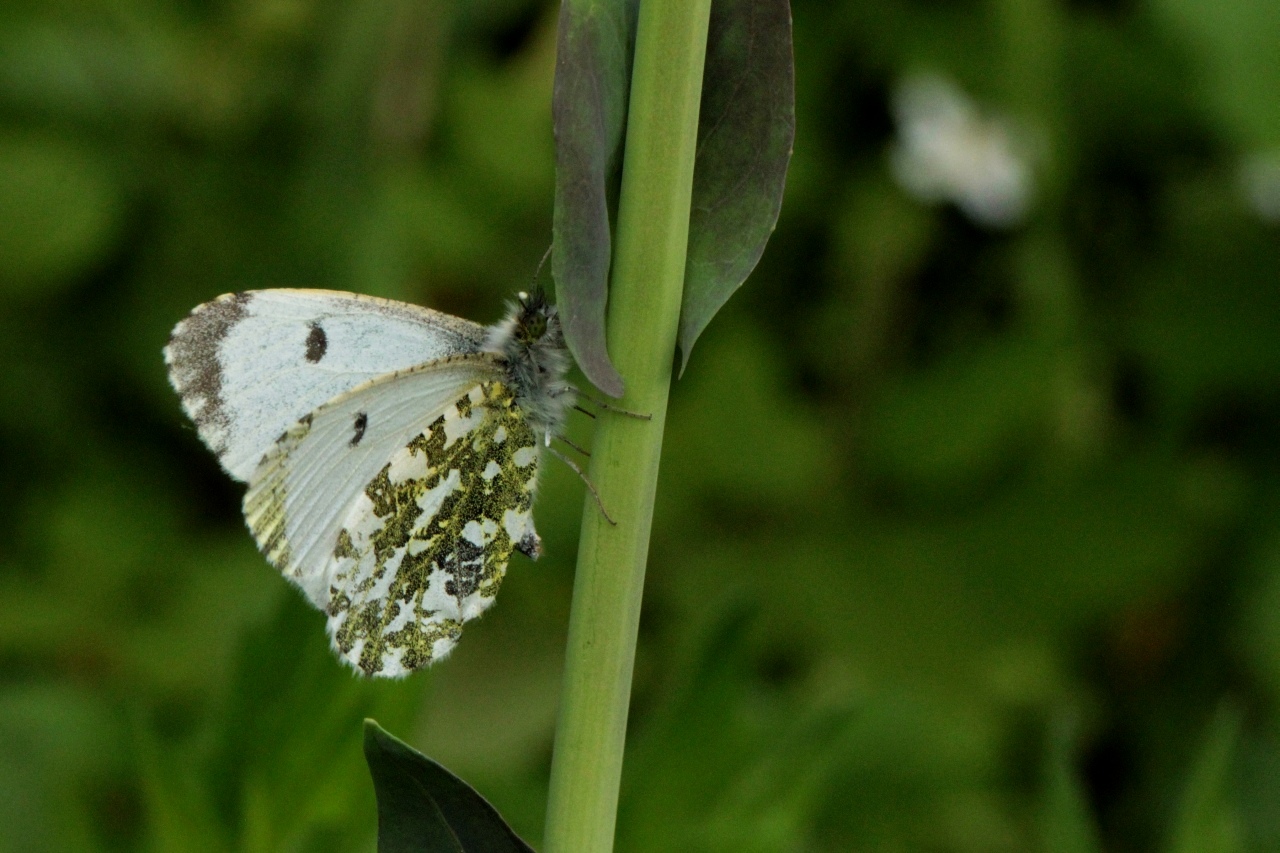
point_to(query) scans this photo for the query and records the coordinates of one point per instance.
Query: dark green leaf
(745, 131)
(423, 808)
(589, 105)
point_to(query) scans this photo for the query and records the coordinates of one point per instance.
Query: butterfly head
(534, 318)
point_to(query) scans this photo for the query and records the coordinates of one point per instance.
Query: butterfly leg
(574, 446)
(590, 486)
(605, 407)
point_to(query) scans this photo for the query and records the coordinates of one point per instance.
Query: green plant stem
(644, 312)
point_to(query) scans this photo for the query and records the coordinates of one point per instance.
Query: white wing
(249, 365)
(310, 478)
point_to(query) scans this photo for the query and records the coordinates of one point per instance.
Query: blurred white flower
(1260, 182)
(947, 150)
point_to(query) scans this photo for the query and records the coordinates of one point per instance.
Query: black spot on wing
(362, 422)
(317, 343)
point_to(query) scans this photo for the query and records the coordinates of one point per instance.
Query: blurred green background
(966, 538)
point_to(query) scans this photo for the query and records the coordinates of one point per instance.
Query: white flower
(947, 151)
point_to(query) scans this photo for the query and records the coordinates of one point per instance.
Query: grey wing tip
(196, 336)
(191, 356)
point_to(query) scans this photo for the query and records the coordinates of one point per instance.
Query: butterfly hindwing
(426, 545)
(249, 365)
(306, 484)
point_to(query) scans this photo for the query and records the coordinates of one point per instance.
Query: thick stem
(644, 312)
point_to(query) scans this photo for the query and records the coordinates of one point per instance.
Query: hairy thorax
(531, 344)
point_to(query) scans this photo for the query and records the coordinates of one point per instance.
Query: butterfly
(391, 451)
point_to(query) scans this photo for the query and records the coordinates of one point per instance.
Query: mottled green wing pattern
(426, 544)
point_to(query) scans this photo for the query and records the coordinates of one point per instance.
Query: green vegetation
(965, 536)
(645, 296)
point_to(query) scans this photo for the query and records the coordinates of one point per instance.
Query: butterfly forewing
(426, 544)
(249, 365)
(308, 482)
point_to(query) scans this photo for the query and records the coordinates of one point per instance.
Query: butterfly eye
(531, 326)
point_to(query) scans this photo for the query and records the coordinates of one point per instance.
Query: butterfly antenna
(590, 486)
(534, 287)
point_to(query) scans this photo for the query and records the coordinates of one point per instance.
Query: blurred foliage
(966, 541)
